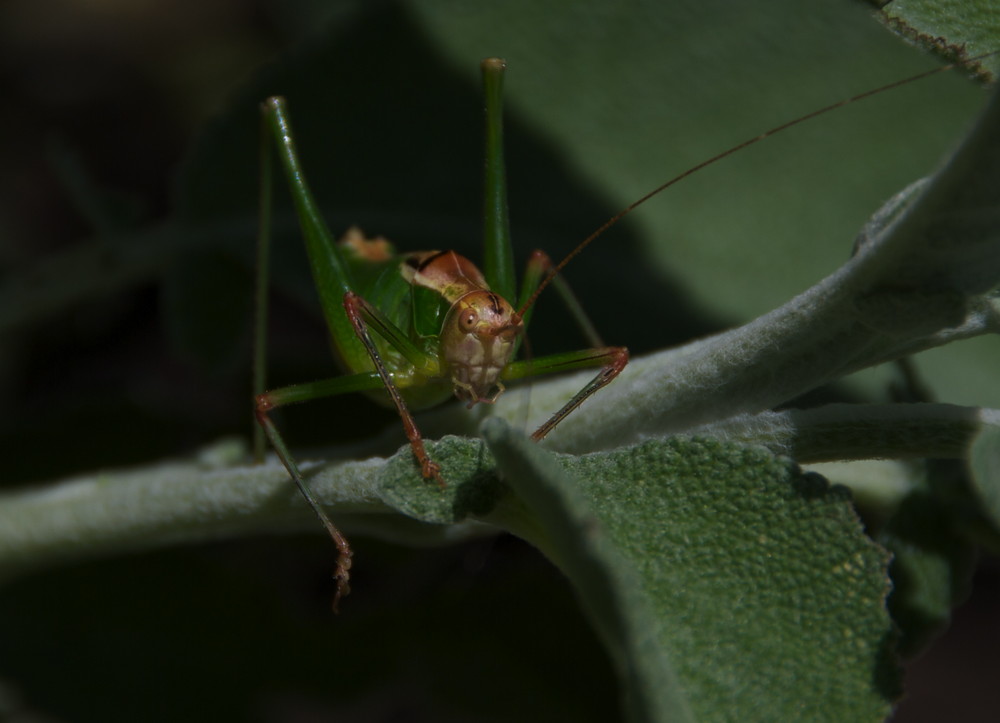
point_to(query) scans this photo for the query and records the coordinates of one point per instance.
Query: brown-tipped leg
(357, 309)
(342, 574)
(342, 570)
(616, 358)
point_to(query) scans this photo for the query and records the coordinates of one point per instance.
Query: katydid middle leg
(611, 359)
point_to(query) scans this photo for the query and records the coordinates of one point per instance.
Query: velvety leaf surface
(765, 597)
(954, 28)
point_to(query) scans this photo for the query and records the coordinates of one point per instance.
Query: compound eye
(468, 320)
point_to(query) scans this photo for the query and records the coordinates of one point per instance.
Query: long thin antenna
(725, 154)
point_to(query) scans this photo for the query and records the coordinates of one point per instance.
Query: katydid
(415, 329)
(412, 330)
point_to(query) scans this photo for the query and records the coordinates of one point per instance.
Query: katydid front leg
(358, 311)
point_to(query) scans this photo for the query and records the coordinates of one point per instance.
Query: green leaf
(471, 485)
(957, 29)
(726, 583)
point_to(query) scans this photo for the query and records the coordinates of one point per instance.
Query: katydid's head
(478, 338)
